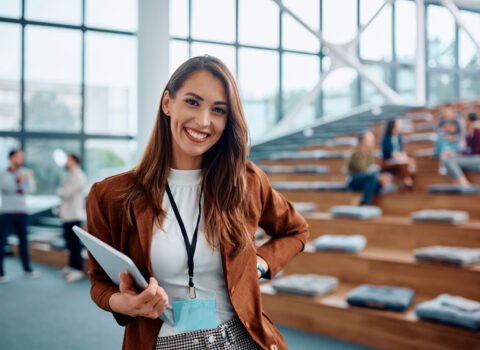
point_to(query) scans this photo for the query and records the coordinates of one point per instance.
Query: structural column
(420, 59)
(153, 63)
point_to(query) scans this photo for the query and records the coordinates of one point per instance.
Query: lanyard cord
(189, 247)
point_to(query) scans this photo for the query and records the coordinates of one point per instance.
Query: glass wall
(291, 57)
(68, 80)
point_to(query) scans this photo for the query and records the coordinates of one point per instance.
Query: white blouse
(169, 255)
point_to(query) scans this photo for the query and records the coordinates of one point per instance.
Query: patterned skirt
(230, 335)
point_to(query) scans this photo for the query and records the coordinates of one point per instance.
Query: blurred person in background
(16, 182)
(469, 159)
(72, 212)
(395, 159)
(449, 143)
(363, 171)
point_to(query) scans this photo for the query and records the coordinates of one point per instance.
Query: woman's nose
(203, 119)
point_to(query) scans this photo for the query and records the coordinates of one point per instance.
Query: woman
(214, 201)
(448, 145)
(363, 171)
(470, 157)
(395, 159)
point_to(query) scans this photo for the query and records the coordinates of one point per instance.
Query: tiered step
(392, 204)
(388, 258)
(391, 267)
(332, 316)
(425, 165)
(397, 232)
(422, 181)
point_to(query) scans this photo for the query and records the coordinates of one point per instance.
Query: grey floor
(49, 314)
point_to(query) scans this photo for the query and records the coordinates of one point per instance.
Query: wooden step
(410, 148)
(424, 164)
(397, 232)
(330, 315)
(44, 254)
(392, 204)
(422, 181)
(393, 268)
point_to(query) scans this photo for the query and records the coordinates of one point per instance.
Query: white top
(71, 192)
(169, 255)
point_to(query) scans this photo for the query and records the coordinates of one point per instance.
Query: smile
(196, 136)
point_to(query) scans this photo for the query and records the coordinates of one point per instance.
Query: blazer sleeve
(288, 229)
(102, 288)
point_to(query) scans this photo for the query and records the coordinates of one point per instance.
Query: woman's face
(198, 115)
(368, 141)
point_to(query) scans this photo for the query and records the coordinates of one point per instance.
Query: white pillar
(420, 59)
(153, 63)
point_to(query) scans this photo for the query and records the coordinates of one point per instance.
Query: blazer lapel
(144, 222)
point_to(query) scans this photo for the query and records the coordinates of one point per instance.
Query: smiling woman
(198, 116)
(197, 242)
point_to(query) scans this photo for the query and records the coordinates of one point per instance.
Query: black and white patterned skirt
(230, 335)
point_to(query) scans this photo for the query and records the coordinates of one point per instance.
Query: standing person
(16, 182)
(363, 172)
(72, 212)
(187, 216)
(395, 159)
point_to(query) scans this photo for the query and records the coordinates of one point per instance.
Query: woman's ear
(166, 102)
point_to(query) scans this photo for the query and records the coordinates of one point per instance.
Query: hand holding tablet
(150, 302)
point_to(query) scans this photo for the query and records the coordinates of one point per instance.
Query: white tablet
(113, 262)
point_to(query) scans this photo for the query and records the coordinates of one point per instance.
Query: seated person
(447, 115)
(470, 157)
(449, 143)
(364, 175)
(395, 160)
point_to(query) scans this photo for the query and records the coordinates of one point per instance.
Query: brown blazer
(267, 209)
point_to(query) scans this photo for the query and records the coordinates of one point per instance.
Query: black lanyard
(190, 247)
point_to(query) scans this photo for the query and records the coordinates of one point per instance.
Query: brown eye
(191, 101)
(219, 110)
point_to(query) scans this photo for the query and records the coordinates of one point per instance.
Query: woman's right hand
(150, 303)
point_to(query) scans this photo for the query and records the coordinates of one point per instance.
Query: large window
(340, 93)
(405, 31)
(108, 93)
(258, 77)
(10, 52)
(441, 37)
(376, 40)
(277, 60)
(300, 75)
(453, 58)
(68, 80)
(53, 68)
(339, 25)
(469, 57)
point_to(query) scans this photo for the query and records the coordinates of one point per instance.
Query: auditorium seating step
(330, 315)
(424, 164)
(392, 204)
(422, 181)
(397, 232)
(44, 253)
(410, 148)
(391, 267)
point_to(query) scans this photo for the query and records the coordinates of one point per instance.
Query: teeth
(196, 134)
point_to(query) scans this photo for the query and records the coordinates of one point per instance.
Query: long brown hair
(224, 164)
